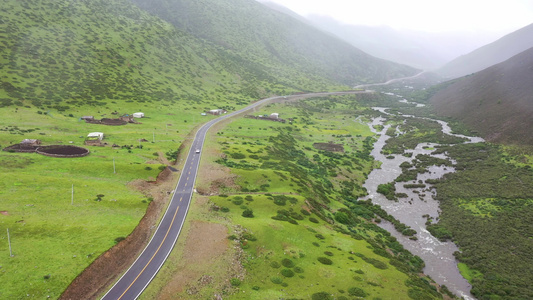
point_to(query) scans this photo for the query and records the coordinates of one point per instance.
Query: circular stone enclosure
(63, 151)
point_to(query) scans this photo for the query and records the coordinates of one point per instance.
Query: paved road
(143, 270)
(388, 82)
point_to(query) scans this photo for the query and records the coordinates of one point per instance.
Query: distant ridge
(497, 102)
(490, 54)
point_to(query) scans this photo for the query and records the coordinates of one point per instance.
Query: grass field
(55, 233)
(287, 214)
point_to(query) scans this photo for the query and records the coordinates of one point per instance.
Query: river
(441, 265)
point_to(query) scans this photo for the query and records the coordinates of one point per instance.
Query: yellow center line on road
(158, 248)
(181, 199)
(185, 183)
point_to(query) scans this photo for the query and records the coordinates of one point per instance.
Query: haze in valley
(423, 34)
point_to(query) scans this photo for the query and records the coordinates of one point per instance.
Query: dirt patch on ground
(218, 178)
(106, 121)
(5, 213)
(204, 245)
(63, 151)
(329, 147)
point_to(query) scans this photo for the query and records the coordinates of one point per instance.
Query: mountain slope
(490, 54)
(59, 53)
(274, 41)
(497, 102)
(55, 51)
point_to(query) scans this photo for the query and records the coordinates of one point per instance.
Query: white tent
(138, 115)
(96, 135)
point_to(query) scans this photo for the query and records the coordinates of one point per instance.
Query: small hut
(217, 112)
(274, 116)
(94, 138)
(29, 143)
(87, 118)
(138, 115)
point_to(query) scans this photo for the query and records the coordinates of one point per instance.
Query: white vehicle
(197, 150)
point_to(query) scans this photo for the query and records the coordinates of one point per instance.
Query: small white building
(95, 136)
(138, 115)
(217, 112)
(274, 116)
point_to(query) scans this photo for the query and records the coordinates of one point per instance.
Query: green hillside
(496, 102)
(275, 42)
(60, 51)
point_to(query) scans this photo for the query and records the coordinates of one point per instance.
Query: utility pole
(114, 169)
(9, 242)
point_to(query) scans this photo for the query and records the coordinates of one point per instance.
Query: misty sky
(483, 16)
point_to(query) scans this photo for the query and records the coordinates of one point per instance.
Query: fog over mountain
(491, 54)
(415, 48)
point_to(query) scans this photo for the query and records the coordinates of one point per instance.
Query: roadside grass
(54, 236)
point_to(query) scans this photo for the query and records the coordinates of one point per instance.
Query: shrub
(316, 244)
(255, 288)
(342, 217)
(287, 273)
(319, 236)
(305, 212)
(224, 209)
(328, 253)
(235, 281)
(275, 265)
(276, 280)
(119, 239)
(287, 263)
(235, 155)
(325, 260)
(249, 237)
(46, 276)
(321, 296)
(237, 201)
(298, 270)
(248, 213)
(357, 292)
(292, 221)
(313, 220)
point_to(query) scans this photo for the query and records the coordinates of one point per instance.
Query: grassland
(293, 227)
(58, 235)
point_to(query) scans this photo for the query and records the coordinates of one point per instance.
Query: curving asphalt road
(144, 269)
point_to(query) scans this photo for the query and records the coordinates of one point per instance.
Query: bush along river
(412, 201)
